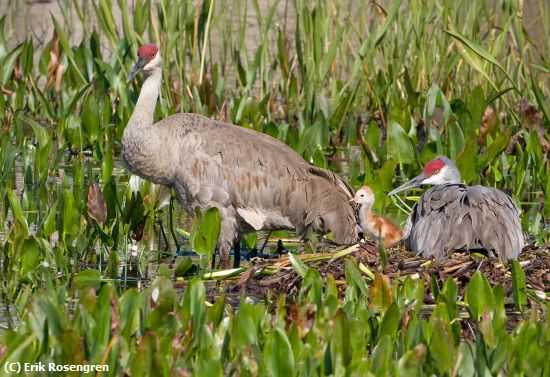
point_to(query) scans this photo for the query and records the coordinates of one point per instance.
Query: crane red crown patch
(148, 51)
(433, 167)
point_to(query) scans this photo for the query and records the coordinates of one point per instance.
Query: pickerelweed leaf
(390, 321)
(7, 64)
(299, 266)
(381, 294)
(278, 354)
(399, 144)
(518, 285)
(442, 346)
(479, 296)
(89, 277)
(206, 230)
(15, 206)
(90, 117)
(353, 276)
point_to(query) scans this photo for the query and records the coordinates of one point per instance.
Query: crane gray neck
(141, 143)
(147, 100)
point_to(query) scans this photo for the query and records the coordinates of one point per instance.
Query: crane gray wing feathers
(268, 183)
(455, 216)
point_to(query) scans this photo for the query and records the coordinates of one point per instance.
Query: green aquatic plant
(329, 329)
(371, 91)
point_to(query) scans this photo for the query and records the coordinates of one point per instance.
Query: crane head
(364, 195)
(148, 58)
(438, 171)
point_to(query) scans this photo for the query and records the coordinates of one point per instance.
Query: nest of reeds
(280, 276)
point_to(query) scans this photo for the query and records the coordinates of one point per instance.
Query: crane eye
(153, 54)
(436, 170)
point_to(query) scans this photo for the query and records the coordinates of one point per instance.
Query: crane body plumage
(453, 216)
(256, 182)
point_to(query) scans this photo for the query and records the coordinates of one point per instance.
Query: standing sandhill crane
(375, 226)
(255, 181)
(452, 216)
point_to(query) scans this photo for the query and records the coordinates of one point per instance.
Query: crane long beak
(415, 182)
(137, 68)
(353, 200)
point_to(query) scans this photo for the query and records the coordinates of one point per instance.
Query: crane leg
(224, 249)
(237, 253)
(163, 234)
(213, 265)
(228, 233)
(172, 224)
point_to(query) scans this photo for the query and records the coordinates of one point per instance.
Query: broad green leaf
(312, 286)
(163, 295)
(518, 285)
(7, 64)
(496, 147)
(215, 313)
(399, 144)
(183, 266)
(383, 356)
(390, 322)
(340, 342)
(381, 294)
(206, 230)
(194, 308)
(467, 162)
(30, 255)
(479, 295)
(147, 360)
(411, 363)
(245, 331)
(298, 265)
(69, 213)
(442, 346)
(15, 206)
(49, 226)
(87, 278)
(353, 276)
(129, 309)
(278, 354)
(90, 117)
(455, 138)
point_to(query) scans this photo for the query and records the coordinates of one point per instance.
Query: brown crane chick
(375, 226)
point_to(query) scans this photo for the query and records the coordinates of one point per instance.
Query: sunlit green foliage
(367, 90)
(328, 330)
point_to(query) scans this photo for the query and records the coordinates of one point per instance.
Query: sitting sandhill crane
(256, 182)
(452, 216)
(375, 226)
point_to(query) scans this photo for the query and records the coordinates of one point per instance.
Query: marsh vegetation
(370, 91)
